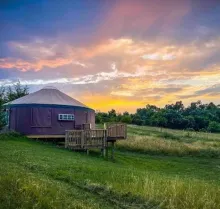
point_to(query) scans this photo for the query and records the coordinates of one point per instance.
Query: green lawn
(152, 169)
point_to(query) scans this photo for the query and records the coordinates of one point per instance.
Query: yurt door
(41, 117)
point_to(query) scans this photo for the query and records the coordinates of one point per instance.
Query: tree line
(196, 116)
(8, 94)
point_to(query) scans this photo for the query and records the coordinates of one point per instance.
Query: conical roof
(47, 96)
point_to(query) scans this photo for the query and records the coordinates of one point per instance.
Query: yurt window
(66, 117)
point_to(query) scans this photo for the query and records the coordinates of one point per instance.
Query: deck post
(66, 139)
(87, 151)
(82, 139)
(113, 150)
(107, 149)
(104, 143)
(104, 152)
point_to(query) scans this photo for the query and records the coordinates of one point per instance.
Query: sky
(120, 54)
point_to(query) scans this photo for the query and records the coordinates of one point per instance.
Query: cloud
(80, 64)
(122, 93)
(8, 63)
(125, 55)
(138, 17)
(96, 78)
(126, 70)
(213, 89)
(158, 56)
(126, 52)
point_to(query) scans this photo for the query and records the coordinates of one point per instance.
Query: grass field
(153, 169)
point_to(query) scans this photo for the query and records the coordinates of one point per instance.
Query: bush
(214, 126)
(10, 135)
(2, 120)
(126, 119)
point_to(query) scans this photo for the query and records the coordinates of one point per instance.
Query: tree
(2, 96)
(9, 94)
(196, 116)
(112, 115)
(137, 120)
(126, 118)
(178, 106)
(98, 118)
(2, 101)
(191, 124)
(159, 119)
(214, 126)
(16, 91)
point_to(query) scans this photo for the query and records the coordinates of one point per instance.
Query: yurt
(48, 112)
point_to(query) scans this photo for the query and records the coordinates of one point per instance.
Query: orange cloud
(126, 73)
(33, 65)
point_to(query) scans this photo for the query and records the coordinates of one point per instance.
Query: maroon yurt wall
(31, 115)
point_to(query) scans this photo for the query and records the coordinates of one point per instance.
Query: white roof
(47, 96)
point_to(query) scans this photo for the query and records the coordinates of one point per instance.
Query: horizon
(116, 54)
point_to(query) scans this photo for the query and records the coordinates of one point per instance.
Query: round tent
(48, 112)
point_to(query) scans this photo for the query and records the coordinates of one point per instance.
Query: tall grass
(122, 191)
(156, 191)
(157, 145)
(174, 134)
(169, 142)
(36, 175)
(31, 191)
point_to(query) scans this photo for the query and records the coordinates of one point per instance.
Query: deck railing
(86, 126)
(116, 131)
(73, 138)
(95, 138)
(84, 139)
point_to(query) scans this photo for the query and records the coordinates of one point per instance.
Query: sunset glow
(114, 54)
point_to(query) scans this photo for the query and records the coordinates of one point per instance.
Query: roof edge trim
(47, 105)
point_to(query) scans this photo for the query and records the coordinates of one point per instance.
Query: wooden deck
(116, 131)
(46, 136)
(88, 138)
(85, 139)
(95, 138)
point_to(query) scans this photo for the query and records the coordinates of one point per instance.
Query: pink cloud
(139, 15)
(23, 65)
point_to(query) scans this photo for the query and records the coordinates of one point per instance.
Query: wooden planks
(74, 139)
(84, 139)
(46, 136)
(116, 131)
(96, 138)
(86, 126)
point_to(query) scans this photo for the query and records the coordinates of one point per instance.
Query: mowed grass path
(145, 173)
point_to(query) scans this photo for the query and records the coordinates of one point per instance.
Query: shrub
(126, 119)
(214, 126)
